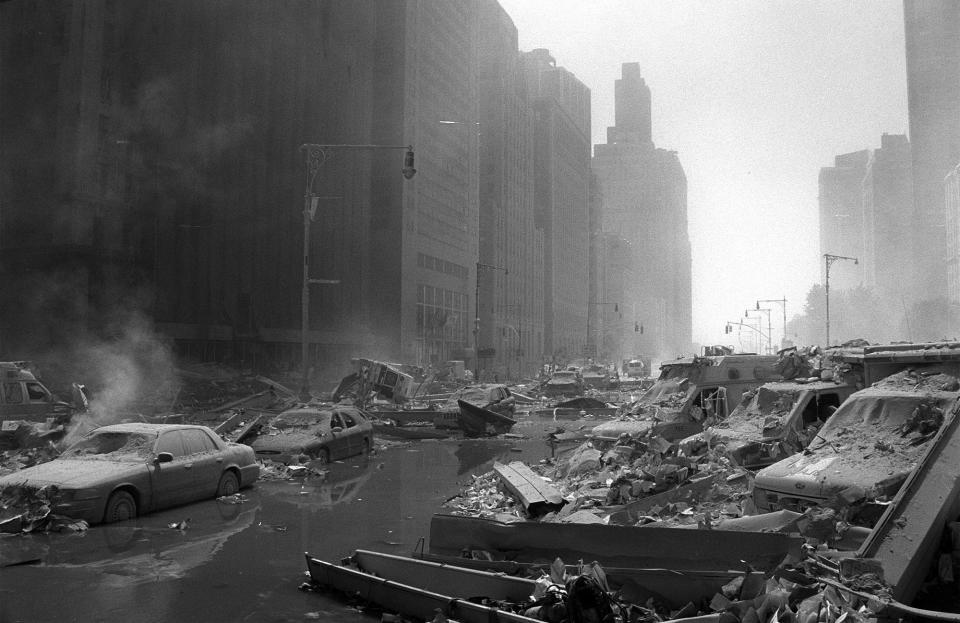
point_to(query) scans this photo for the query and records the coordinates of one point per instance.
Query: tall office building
(841, 216)
(932, 34)
(159, 145)
(561, 197)
(509, 304)
(645, 202)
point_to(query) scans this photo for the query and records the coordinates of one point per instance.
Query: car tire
(366, 447)
(229, 484)
(120, 507)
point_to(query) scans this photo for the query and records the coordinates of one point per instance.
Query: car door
(172, 481)
(206, 463)
(352, 434)
(339, 443)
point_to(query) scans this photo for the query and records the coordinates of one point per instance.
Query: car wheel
(120, 507)
(366, 447)
(321, 456)
(228, 484)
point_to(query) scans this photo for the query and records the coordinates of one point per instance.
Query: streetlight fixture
(476, 319)
(782, 302)
(315, 156)
(732, 323)
(769, 326)
(828, 260)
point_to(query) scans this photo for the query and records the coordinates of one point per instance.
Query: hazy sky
(755, 96)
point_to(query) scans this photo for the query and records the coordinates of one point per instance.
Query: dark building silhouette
(644, 192)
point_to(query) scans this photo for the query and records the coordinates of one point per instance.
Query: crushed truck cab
(688, 392)
(24, 398)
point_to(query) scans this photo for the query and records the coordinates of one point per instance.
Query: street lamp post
(746, 314)
(828, 261)
(316, 155)
(476, 319)
(732, 323)
(782, 302)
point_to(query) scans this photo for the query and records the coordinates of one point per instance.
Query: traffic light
(408, 170)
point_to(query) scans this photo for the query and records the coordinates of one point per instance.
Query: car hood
(73, 473)
(284, 442)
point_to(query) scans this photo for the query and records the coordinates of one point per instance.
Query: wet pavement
(245, 562)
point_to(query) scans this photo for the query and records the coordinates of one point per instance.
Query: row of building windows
(441, 266)
(441, 312)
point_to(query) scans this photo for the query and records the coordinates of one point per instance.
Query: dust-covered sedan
(120, 471)
(322, 434)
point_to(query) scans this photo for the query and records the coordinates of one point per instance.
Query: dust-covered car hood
(284, 442)
(873, 441)
(73, 473)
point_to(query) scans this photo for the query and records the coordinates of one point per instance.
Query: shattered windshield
(300, 420)
(670, 388)
(112, 446)
(762, 411)
(903, 419)
(473, 395)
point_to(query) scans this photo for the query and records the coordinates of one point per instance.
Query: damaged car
(689, 392)
(564, 383)
(866, 450)
(315, 433)
(121, 471)
(772, 422)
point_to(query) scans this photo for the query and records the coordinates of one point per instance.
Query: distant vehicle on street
(635, 368)
(494, 397)
(322, 433)
(118, 472)
(598, 377)
(564, 383)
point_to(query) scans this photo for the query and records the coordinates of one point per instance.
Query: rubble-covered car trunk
(866, 450)
(772, 422)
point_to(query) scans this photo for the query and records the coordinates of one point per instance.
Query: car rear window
(111, 446)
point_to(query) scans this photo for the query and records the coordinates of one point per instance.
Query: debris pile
(28, 509)
(633, 482)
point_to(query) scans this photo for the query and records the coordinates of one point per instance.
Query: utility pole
(782, 302)
(316, 155)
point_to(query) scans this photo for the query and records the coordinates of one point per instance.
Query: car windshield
(300, 420)
(472, 395)
(111, 446)
(762, 412)
(886, 418)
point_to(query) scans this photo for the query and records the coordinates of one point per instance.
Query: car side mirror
(164, 457)
(336, 429)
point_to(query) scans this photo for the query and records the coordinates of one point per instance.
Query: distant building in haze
(841, 216)
(888, 259)
(644, 192)
(932, 35)
(561, 106)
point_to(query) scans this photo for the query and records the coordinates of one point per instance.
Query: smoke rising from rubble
(131, 369)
